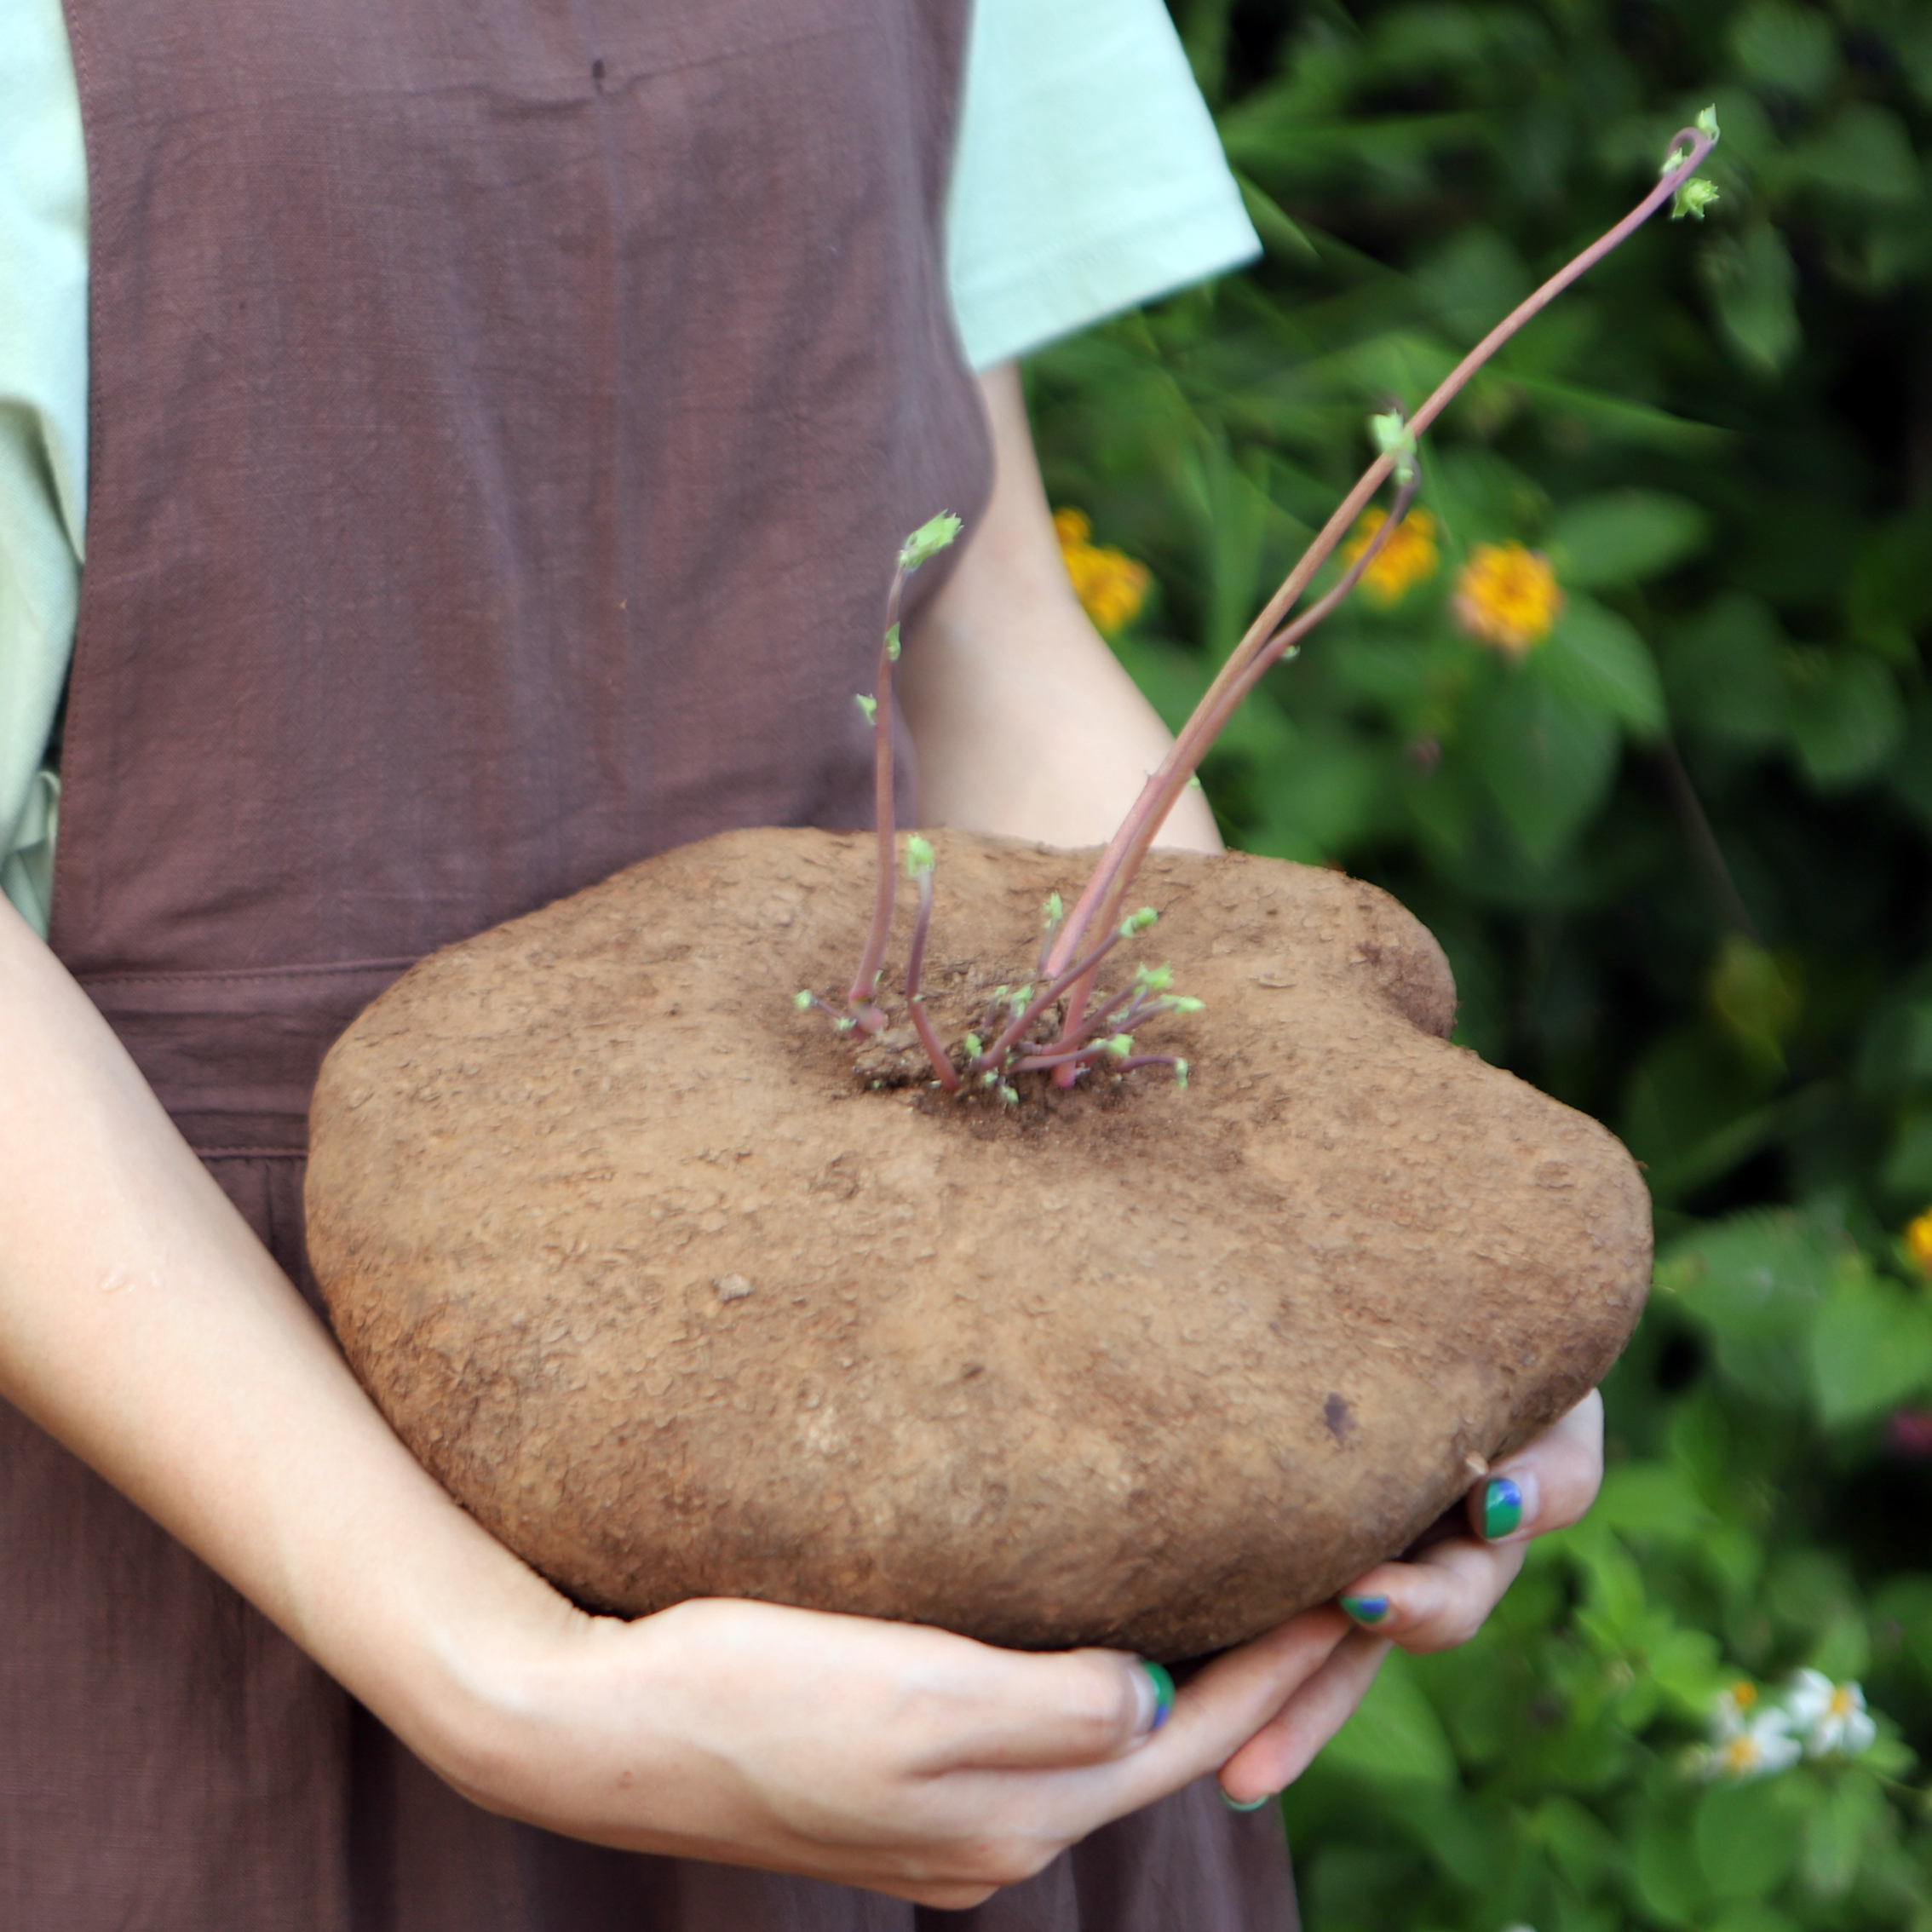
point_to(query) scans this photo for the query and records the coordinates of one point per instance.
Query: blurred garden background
(1636, 717)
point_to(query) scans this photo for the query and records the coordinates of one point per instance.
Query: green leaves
(1779, 1290)
(1625, 537)
(1546, 757)
(1709, 438)
(1596, 659)
(1846, 716)
(1753, 286)
(1871, 1348)
(1395, 1737)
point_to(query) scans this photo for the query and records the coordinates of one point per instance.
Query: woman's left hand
(1437, 1597)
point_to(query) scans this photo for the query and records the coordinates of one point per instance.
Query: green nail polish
(1252, 1805)
(1163, 1691)
(1502, 1507)
(1365, 1609)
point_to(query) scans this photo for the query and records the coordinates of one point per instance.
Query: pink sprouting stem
(1134, 1060)
(1203, 728)
(1078, 1060)
(872, 959)
(915, 1001)
(993, 1054)
(1101, 1014)
(1107, 887)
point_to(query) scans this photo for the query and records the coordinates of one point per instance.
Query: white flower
(1731, 1715)
(1762, 1746)
(1832, 1716)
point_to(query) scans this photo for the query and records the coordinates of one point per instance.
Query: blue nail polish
(1252, 1805)
(1365, 1609)
(1502, 1507)
(1163, 1691)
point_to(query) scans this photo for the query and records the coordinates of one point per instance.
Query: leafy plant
(1639, 720)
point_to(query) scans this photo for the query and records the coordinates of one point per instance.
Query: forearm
(142, 1324)
(1025, 722)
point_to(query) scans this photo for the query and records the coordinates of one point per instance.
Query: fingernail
(1502, 1509)
(1162, 1686)
(1365, 1609)
(1249, 1804)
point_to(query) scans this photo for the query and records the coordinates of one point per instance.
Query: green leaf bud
(1118, 1047)
(1181, 1074)
(843, 1026)
(869, 708)
(928, 541)
(1181, 1002)
(802, 1001)
(1692, 198)
(1138, 922)
(918, 857)
(1153, 979)
(973, 1046)
(989, 1078)
(1706, 123)
(1393, 437)
(1021, 999)
(1052, 913)
(1007, 1096)
(892, 645)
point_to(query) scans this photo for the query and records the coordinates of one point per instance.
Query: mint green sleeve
(43, 424)
(1089, 175)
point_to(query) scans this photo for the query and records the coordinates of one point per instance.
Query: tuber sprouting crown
(1080, 1036)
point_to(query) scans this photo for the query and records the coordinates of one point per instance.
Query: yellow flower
(1507, 596)
(1919, 1240)
(1408, 556)
(1110, 584)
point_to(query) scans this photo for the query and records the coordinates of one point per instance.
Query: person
(499, 422)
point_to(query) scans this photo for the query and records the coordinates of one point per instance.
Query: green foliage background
(1681, 857)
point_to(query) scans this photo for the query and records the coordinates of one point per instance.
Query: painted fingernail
(1249, 1804)
(1502, 1507)
(1163, 1692)
(1365, 1609)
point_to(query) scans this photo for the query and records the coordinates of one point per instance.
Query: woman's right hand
(887, 1756)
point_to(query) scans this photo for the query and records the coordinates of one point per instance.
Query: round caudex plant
(1035, 1289)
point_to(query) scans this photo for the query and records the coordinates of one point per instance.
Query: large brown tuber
(683, 1297)
(637, 1260)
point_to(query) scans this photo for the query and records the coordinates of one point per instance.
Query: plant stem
(1084, 969)
(1264, 642)
(915, 961)
(1112, 877)
(873, 958)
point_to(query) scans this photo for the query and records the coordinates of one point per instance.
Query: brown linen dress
(504, 416)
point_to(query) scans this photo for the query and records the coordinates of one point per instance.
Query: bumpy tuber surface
(678, 1303)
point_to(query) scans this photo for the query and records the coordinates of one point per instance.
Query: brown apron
(504, 416)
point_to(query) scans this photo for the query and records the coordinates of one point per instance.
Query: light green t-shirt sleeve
(1089, 176)
(43, 424)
